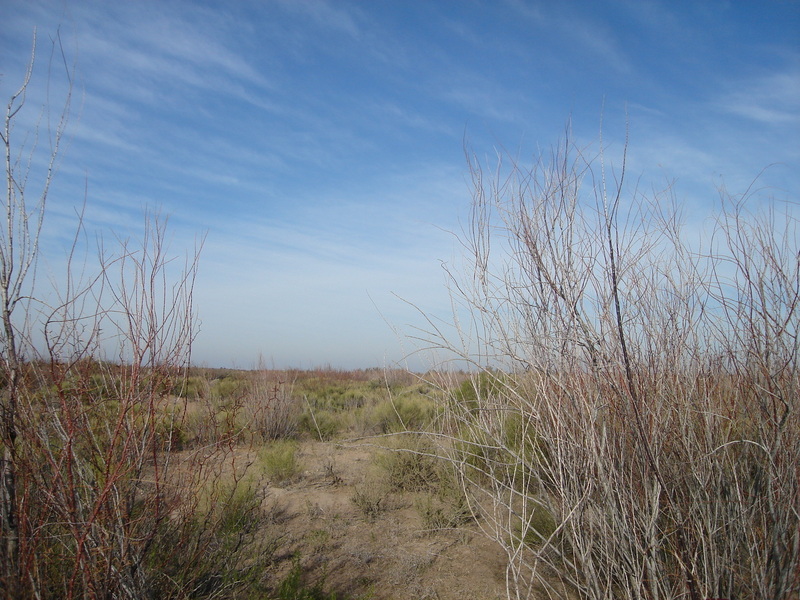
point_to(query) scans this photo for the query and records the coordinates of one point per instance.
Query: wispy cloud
(596, 40)
(772, 99)
(327, 15)
(319, 143)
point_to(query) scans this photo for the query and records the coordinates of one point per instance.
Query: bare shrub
(272, 411)
(633, 430)
(95, 438)
(369, 499)
(97, 498)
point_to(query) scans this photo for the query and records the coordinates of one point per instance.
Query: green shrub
(404, 413)
(443, 512)
(525, 453)
(321, 424)
(541, 526)
(220, 549)
(445, 506)
(227, 387)
(171, 430)
(412, 468)
(473, 393)
(292, 587)
(191, 388)
(270, 410)
(279, 461)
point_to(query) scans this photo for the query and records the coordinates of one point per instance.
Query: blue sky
(320, 145)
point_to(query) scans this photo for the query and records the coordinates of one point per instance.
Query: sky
(318, 147)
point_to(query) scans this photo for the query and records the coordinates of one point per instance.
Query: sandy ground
(387, 555)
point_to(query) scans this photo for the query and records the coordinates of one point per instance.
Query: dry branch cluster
(95, 496)
(635, 428)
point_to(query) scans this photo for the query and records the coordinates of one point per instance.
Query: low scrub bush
(370, 499)
(406, 412)
(337, 393)
(446, 511)
(323, 424)
(411, 465)
(278, 460)
(192, 387)
(294, 588)
(227, 388)
(225, 548)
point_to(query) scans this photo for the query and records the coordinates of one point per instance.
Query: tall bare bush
(635, 430)
(23, 211)
(271, 410)
(96, 496)
(98, 424)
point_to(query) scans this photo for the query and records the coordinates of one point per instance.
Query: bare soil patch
(385, 553)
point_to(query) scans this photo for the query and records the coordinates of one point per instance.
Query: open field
(290, 484)
(347, 500)
(329, 485)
